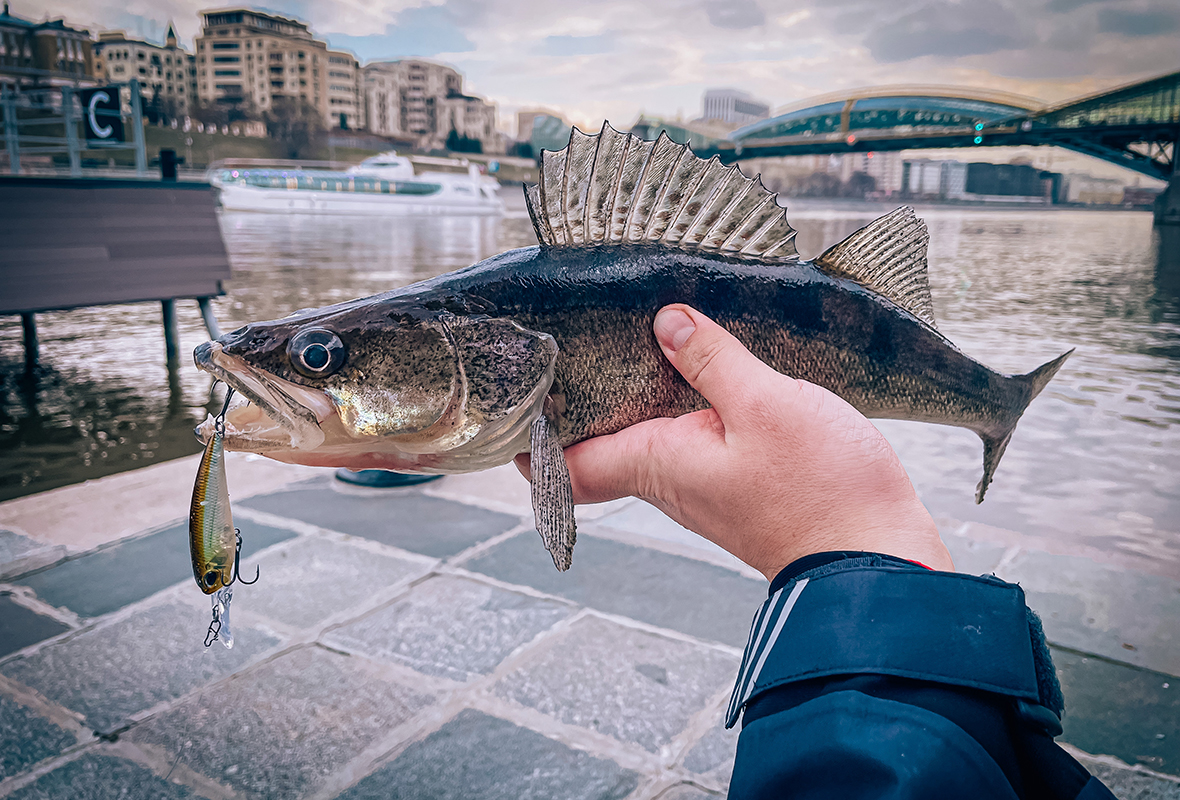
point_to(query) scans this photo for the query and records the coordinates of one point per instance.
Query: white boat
(382, 185)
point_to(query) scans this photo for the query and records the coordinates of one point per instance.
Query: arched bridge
(1135, 126)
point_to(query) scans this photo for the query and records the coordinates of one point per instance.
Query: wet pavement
(418, 643)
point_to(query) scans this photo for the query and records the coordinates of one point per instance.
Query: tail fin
(994, 445)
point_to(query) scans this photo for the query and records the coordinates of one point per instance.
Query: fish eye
(211, 577)
(316, 352)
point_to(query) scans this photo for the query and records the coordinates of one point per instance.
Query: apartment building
(48, 53)
(344, 91)
(425, 101)
(249, 59)
(167, 74)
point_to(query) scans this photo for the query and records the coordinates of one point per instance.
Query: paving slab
(311, 579)
(450, 627)
(20, 554)
(403, 518)
(647, 520)
(683, 594)
(102, 777)
(625, 683)
(113, 671)
(26, 738)
(135, 501)
(713, 756)
(1130, 784)
(1103, 609)
(279, 730)
(1116, 710)
(109, 579)
(21, 627)
(480, 756)
(686, 791)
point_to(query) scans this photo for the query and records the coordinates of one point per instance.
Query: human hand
(778, 468)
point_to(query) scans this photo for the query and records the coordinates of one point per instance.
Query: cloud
(577, 45)
(947, 29)
(1139, 23)
(734, 14)
(423, 31)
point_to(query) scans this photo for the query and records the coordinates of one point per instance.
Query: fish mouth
(279, 415)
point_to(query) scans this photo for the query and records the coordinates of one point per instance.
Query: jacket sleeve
(866, 676)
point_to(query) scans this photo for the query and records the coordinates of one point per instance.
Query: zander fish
(538, 348)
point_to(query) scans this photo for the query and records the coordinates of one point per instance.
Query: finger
(711, 359)
(523, 462)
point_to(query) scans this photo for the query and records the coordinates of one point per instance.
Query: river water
(1095, 461)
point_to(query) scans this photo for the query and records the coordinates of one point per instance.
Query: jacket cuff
(865, 615)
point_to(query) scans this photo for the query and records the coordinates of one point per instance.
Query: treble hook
(237, 576)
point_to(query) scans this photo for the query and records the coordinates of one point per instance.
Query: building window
(226, 59)
(226, 73)
(223, 46)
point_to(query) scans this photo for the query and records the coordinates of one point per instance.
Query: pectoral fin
(553, 498)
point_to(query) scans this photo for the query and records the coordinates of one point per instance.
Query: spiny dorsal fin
(888, 256)
(615, 188)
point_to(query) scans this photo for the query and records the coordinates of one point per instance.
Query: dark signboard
(101, 115)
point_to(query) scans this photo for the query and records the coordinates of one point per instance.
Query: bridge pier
(1167, 205)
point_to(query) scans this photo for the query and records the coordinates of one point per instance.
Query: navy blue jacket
(867, 676)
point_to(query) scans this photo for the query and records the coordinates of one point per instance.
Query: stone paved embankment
(418, 643)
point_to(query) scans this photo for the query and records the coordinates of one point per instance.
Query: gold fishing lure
(214, 543)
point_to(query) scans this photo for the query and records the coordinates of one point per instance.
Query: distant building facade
(425, 101)
(43, 54)
(249, 59)
(733, 107)
(167, 74)
(345, 106)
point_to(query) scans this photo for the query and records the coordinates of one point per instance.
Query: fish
(537, 348)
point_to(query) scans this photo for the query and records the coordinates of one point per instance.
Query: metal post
(137, 126)
(171, 337)
(210, 320)
(11, 131)
(28, 325)
(67, 112)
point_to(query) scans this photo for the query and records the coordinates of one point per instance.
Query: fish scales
(538, 348)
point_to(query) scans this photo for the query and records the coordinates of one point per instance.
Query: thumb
(710, 358)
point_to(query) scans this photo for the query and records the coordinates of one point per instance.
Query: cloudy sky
(615, 58)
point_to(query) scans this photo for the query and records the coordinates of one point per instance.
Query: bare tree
(296, 126)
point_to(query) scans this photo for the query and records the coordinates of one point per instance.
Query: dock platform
(417, 642)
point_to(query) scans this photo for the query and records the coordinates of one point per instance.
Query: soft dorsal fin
(615, 188)
(888, 256)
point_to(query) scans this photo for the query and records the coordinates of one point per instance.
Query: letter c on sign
(102, 131)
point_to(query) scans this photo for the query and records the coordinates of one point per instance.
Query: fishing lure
(214, 543)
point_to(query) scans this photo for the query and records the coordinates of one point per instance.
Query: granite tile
(109, 579)
(450, 627)
(114, 671)
(625, 683)
(1130, 784)
(1117, 710)
(686, 791)
(102, 777)
(26, 738)
(479, 756)
(1099, 608)
(683, 594)
(713, 756)
(647, 520)
(311, 579)
(973, 557)
(21, 627)
(278, 731)
(19, 554)
(403, 518)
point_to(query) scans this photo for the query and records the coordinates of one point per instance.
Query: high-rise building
(422, 100)
(48, 53)
(167, 74)
(250, 59)
(733, 107)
